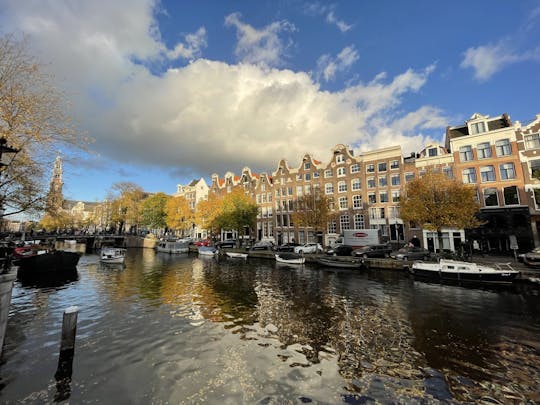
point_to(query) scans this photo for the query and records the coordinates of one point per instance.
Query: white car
(308, 248)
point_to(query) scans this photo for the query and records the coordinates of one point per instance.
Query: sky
(171, 91)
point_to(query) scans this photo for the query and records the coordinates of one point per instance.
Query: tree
(238, 211)
(313, 210)
(207, 212)
(33, 119)
(178, 214)
(434, 201)
(153, 211)
(126, 206)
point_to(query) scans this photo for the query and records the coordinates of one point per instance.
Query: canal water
(182, 329)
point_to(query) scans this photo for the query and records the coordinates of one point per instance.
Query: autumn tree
(435, 201)
(126, 203)
(33, 120)
(179, 215)
(153, 212)
(238, 211)
(313, 210)
(207, 212)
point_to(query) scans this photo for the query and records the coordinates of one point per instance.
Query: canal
(183, 329)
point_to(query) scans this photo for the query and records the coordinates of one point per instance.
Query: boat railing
(504, 266)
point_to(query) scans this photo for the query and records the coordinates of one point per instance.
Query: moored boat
(454, 270)
(237, 255)
(345, 263)
(172, 246)
(112, 255)
(37, 261)
(207, 250)
(290, 258)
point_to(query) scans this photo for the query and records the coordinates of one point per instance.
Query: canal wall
(6, 285)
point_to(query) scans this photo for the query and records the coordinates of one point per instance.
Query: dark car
(287, 247)
(411, 253)
(532, 258)
(227, 243)
(341, 250)
(373, 251)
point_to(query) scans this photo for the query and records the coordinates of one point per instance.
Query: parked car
(310, 247)
(411, 253)
(204, 242)
(227, 243)
(532, 258)
(383, 250)
(287, 247)
(263, 245)
(341, 250)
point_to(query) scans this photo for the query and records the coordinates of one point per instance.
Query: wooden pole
(69, 328)
(67, 351)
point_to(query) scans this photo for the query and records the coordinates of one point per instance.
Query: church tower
(55, 199)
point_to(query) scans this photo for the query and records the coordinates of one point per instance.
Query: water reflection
(179, 328)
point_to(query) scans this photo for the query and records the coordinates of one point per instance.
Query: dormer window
(432, 152)
(340, 158)
(307, 165)
(478, 128)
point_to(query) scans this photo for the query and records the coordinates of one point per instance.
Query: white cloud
(192, 49)
(261, 47)
(208, 116)
(342, 25)
(486, 60)
(327, 10)
(328, 67)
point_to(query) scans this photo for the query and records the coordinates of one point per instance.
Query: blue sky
(176, 90)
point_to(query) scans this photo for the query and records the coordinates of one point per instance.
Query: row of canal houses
(500, 158)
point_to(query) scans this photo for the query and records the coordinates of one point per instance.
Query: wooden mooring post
(67, 351)
(6, 285)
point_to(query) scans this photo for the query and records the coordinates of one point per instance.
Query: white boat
(207, 250)
(454, 270)
(172, 246)
(112, 255)
(290, 258)
(341, 262)
(237, 255)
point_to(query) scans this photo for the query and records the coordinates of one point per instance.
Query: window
(535, 169)
(291, 206)
(258, 198)
(478, 128)
(343, 203)
(409, 177)
(374, 213)
(469, 176)
(490, 197)
(371, 182)
(263, 198)
(394, 164)
(487, 173)
(393, 212)
(382, 167)
(395, 196)
(465, 153)
(503, 147)
(356, 184)
(383, 197)
(383, 181)
(344, 222)
(372, 198)
(447, 170)
(432, 152)
(357, 201)
(370, 168)
(316, 175)
(340, 158)
(341, 171)
(328, 173)
(507, 171)
(396, 180)
(532, 141)
(359, 221)
(355, 168)
(307, 177)
(511, 195)
(289, 189)
(332, 227)
(329, 188)
(307, 165)
(483, 150)
(342, 186)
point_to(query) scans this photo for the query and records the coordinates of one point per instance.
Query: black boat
(43, 262)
